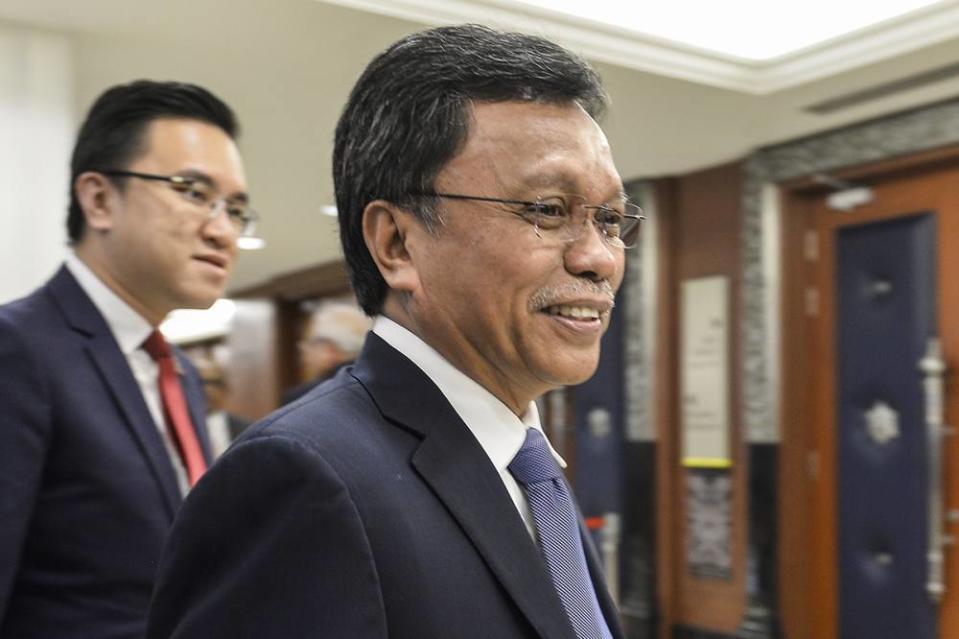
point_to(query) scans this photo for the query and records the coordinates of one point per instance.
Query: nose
(589, 255)
(218, 230)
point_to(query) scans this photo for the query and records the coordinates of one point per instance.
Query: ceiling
(286, 66)
(790, 48)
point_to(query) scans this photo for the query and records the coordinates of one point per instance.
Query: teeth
(576, 312)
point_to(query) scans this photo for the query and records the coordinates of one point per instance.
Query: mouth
(574, 311)
(216, 260)
(582, 318)
(578, 310)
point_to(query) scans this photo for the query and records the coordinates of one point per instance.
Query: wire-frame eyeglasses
(566, 216)
(201, 194)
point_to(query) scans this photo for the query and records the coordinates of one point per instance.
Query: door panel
(872, 285)
(885, 300)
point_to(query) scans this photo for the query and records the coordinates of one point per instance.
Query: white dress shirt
(218, 430)
(497, 429)
(130, 330)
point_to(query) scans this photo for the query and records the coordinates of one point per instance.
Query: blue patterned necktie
(557, 525)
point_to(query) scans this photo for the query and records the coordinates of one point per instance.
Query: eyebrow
(564, 183)
(200, 176)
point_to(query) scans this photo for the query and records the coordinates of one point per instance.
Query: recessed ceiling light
(190, 325)
(251, 243)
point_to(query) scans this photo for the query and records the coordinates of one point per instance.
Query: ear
(386, 229)
(96, 196)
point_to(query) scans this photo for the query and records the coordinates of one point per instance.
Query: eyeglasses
(200, 193)
(566, 216)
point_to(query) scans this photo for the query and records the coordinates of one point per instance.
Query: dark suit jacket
(87, 490)
(367, 510)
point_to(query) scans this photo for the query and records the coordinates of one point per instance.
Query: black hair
(112, 135)
(408, 115)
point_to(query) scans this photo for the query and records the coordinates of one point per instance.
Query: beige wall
(36, 121)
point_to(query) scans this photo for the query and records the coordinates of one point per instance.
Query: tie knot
(534, 462)
(156, 346)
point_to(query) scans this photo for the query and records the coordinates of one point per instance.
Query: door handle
(933, 368)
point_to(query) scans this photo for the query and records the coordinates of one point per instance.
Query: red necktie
(174, 407)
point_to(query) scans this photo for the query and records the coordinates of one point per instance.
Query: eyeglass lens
(571, 216)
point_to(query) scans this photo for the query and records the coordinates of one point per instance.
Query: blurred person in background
(336, 335)
(101, 422)
(223, 427)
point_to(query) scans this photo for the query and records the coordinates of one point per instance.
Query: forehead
(173, 145)
(522, 147)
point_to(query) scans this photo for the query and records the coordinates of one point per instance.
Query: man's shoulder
(30, 338)
(50, 322)
(48, 303)
(340, 396)
(340, 413)
(28, 316)
(337, 431)
(371, 407)
(301, 390)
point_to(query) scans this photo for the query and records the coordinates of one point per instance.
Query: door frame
(808, 550)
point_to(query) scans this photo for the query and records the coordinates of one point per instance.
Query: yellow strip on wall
(707, 462)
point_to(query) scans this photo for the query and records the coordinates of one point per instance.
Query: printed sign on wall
(704, 373)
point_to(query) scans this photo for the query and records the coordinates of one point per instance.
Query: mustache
(551, 295)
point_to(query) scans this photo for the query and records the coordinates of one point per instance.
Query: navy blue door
(886, 310)
(599, 432)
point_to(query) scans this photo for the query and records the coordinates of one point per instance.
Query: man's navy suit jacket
(87, 490)
(366, 509)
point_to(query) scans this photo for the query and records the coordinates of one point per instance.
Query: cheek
(177, 241)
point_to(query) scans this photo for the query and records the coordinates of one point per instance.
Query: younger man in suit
(414, 495)
(101, 425)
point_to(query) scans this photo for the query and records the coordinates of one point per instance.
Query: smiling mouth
(574, 312)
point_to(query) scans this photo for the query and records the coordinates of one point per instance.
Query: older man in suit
(414, 495)
(101, 423)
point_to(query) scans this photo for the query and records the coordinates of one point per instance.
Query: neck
(498, 386)
(96, 262)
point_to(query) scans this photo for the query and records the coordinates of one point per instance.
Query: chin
(573, 373)
(199, 302)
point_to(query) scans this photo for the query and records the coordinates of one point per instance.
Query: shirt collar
(497, 429)
(129, 328)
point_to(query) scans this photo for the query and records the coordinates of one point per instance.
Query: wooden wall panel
(795, 549)
(252, 359)
(705, 238)
(668, 498)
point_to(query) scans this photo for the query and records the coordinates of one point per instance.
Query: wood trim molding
(323, 280)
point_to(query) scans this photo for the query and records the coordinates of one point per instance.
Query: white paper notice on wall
(704, 373)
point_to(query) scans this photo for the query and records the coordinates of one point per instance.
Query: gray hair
(343, 324)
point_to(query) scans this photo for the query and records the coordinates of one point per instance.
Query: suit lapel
(115, 371)
(454, 465)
